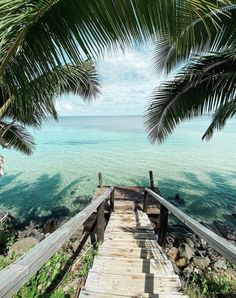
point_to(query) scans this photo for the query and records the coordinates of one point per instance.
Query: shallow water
(63, 170)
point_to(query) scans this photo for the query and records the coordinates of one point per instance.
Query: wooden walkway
(130, 263)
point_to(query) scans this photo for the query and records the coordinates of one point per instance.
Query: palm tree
(47, 45)
(206, 83)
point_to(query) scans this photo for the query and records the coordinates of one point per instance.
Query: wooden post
(145, 201)
(100, 223)
(163, 225)
(151, 180)
(100, 179)
(112, 199)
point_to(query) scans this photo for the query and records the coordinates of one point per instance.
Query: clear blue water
(69, 154)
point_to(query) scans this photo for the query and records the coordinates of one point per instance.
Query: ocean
(70, 153)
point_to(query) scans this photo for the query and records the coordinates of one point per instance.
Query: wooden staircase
(130, 263)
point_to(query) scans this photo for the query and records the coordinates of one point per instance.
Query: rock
(23, 245)
(189, 269)
(186, 251)
(73, 192)
(231, 236)
(7, 220)
(220, 264)
(190, 241)
(173, 253)
(183, 262)
(60, 211)
(201, 263)
(31, 231)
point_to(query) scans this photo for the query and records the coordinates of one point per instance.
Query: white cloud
(127, 81)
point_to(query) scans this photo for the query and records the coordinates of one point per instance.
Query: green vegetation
(55, 275)
(47, 49)
(7, 239)
(7, 260)
(210, 285)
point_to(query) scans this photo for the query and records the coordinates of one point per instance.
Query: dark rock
(7, 220)
(73, 192)
(231, 236)
(179, 200)
(60, 211)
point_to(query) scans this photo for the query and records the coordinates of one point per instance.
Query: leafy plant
(210, 285)
(7, 239)
(205, 81)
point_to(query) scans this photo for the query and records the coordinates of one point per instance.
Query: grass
(210, 285)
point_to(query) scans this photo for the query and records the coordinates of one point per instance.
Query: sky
(127, 83)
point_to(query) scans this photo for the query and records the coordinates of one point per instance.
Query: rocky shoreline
(188, 253)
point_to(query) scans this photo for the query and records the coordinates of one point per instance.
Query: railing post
(112, 199)
(163, 225)
(100, 223)
(145, 201)
(151, 180)
(100, 179)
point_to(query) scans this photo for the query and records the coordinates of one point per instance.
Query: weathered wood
(130, 262)
(16, 274)
(100, 179)
(163, 225)
(145, 201)
(112, 202)
(100, 223)
(222, 246)
(151, 180)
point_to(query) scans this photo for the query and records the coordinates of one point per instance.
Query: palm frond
(48, 32)
(201, 87)
(35, 102)
(205, 37)
(220, 117)
(16, 137)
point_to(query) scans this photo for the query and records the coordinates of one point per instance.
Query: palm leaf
(202, 87)
(220, 117)
(17, 137)
(47, 32)
(34, 103)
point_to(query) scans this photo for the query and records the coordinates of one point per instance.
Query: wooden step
(148, 244)
(89, 294)
(130, 285)
(134, 253)
(126, 265)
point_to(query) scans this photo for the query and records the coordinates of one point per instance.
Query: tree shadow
(206, 200)
(29, 199)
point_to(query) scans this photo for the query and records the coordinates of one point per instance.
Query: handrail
(15, 275)
(221, 245)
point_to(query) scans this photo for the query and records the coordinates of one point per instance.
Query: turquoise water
(69, 154)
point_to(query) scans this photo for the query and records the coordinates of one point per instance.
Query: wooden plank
(163, 225)
(131, 285)
(222, 246)
(126, 266)
(16, 274)
(134, 253)
(100, 223)
(89, 294)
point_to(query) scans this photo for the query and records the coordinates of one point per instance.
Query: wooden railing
(15, 275)
(222, 246)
